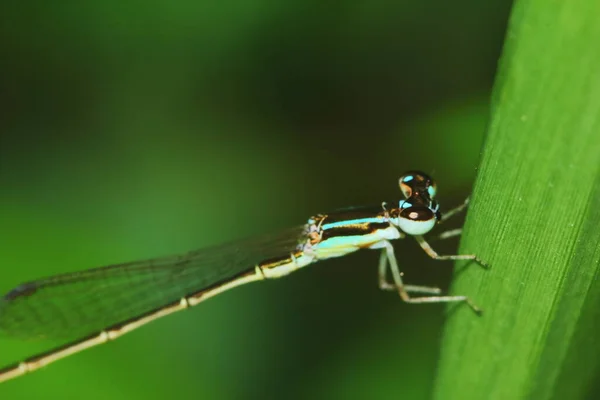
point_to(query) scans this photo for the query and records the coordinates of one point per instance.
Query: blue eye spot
(408, 178)
(405, 204)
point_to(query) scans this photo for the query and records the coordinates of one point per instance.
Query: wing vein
(83, 302)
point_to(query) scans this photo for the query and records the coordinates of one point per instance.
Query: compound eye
(416, 220)
(407, 182)
(416, 182)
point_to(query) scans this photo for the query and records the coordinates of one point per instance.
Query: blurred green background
(139, 129)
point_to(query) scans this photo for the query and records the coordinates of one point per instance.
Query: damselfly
(101, 304)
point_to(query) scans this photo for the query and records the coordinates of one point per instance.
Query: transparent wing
(79, 303)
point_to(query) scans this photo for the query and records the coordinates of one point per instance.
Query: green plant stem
(535, 216)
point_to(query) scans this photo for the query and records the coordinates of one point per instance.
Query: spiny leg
(385, 285)
(446, 216)
(447, 235)
(433, 254)
(449, 214)
(403, 292)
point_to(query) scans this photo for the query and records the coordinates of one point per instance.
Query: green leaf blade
(535, 217)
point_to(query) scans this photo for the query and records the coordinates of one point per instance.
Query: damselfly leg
(447, 235)
(385, 285)
(433, 254)
(456, 210)
(445, 217)
(389, 258)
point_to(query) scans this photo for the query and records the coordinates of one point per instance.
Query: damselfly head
(417, 215)
(417, 183)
